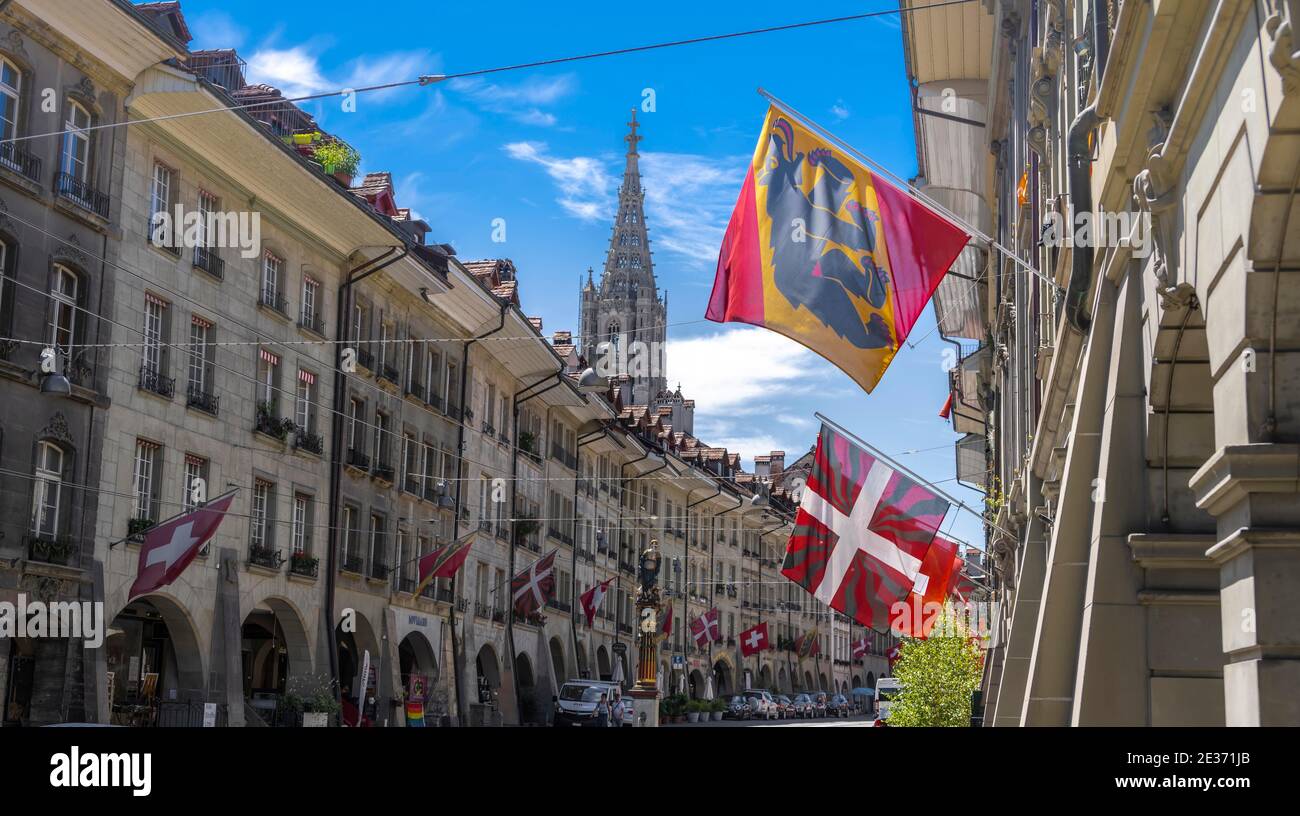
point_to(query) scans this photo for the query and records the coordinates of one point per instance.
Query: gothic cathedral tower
(624, 319)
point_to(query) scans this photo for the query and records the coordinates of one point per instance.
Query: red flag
(929, 591)
(753, 640)
(862, 648)
(862, 531)
(706, 629)
(895, 652)
(808, 644)
(532, 588)
(591, 599)
(169, 547)
(667, 625)
(443, 562)
(826, 252)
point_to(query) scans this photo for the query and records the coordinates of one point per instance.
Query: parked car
(786, 705)
(737, 708)
(577, 701)
(762, 704)
(803, 706)
(839, 706)
(819, 703)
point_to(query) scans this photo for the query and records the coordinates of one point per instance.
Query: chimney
(777, 463)
(562, 338)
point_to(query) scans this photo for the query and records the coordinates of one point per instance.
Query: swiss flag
(532, 588)
(169, 547)
(893, 654)
(591, 599)
(705, 629)
(753, 640)
(861, 648)
(929, 590)
(667, 626)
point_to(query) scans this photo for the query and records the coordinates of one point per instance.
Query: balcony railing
(17, 159)
(154, 382)
(411, 485)
(482, 610)
(314, 323)
(414, 388)
(384, 471)
(50, 549)
(310, 442)
(357, 459)
(379, 570)
(352, 563)
(264, 556)
(388, 372)
(207, 260)
(365, 359)
(267, 423)
(81, 194)
(300, 563)
(274, 301)
(162, 236)
(196, 397)
(434, 401)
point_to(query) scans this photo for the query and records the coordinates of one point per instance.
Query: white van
(887, 689)
(576, 703)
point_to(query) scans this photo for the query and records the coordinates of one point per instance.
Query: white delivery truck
(887, 690)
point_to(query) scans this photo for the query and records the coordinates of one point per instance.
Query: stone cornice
(1253, 538)
(1236, 471)
(1172, 550)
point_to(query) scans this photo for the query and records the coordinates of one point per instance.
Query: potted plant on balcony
(302, 563)
(528, 442)
(339, 159)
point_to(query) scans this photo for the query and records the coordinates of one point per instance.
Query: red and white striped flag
(169, 547)
(862, 531)
(706, 628)
(862, 648)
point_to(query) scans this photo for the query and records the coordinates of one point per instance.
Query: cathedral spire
(628, 262)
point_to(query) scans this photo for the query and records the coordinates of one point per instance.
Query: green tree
(939, 675)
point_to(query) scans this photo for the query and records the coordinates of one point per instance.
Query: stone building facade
(1131, 394)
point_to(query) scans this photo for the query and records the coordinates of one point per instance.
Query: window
(272, 269)
(196, 470)
(430, 465)
(410, 463)
(304, 409)
(381, 439)
(48, 491)
(154, 359)
(160, 201)
(11, 84)
(63, 309)
(356, 421)
(260, 534)
(432, 369)
(310, 295)
(352, 542)
(268, 375)
(301, 520)
(209, 207)
(376, 545)
(147, 465)
(384, 331)
(201, 358)
(74, 156)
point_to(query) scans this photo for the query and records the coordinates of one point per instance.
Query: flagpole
(882, 455)
(909, 189)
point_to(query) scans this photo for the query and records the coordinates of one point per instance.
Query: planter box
(315, 719)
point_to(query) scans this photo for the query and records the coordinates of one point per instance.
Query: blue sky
(542, 149)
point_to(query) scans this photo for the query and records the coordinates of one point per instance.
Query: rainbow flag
(828, 253)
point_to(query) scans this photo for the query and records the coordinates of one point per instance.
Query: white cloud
(522, 101)
(689, 199)
(295, 71)
(732, 369)
(586, 187)
(840, 110)
(384, 68)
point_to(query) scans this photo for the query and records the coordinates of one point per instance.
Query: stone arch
(782, 680)
(487, 672)
(723, 678)
(765, 677)
(352, 646)
(584, 670)
(604, 669)
(807, 681)
(695, 684)
(821, 682)
(871, 680)
(557, 661)
(181, 656)
(415, 655)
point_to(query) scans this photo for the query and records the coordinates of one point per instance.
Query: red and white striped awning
(307, 377)
(150, 297)
(191, 459)
(201, 322)
(269, 357)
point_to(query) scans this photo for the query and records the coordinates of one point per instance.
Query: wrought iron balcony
(414, 388)
(207, 260)
(310, 442)
(301, 563)
(562, 606)
(485, 525)
(161, 235)
(264, 556)
(389, 372)
(482, 610)
(17, 159)
(274, 301)
(559, 535)
(352, 563)
(365, 359)
(154, 382)
(384, 471)
(412, 485)
(357, 459)
(434, 401)
(379, 570)
(314, 323)
(196, 397)
(81, 193)
(267, 423)
(51, 549)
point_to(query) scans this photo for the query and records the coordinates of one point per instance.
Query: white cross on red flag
(168, 548)
(862, 647)
(706, 629)
(862, 531)
(533, 587)
(753, 640)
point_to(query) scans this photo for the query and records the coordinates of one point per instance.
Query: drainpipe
(342, 304)
(1080, 159)
(514, 523)
(460, 481)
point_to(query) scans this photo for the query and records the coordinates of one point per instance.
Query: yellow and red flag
(828, 253)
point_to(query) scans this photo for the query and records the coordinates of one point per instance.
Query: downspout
(514, 523)
(460, 481)
(343, 299)
(1080, 159)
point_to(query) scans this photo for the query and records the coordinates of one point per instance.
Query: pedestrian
(602, 711)
(620, 714)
